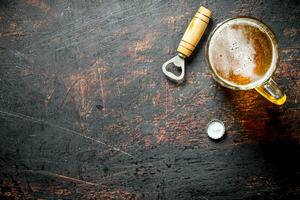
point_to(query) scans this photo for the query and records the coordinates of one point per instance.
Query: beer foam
(232, 53)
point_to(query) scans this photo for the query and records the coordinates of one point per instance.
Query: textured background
(86, 113)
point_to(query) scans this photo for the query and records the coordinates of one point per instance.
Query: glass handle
(271, 91)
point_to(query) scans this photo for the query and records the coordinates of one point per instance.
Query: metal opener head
(178, 62)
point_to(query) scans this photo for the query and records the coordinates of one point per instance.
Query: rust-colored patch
(14, 34)
(80, 91)
(117, 194)
(178, 130)
(182, 126)
(158, 118)
(14, 31)
(84, 85)
(39, 4)
(161, 136)
(38, 24)
(152, 84)
(170, 20)
(144, 44)
(290, 32)
(156, 98)
(169, 105)
(19, 189)
(174, 23)
(134, 49)
(284, 65)
(62, 192)
(14, 189)
(137, 73)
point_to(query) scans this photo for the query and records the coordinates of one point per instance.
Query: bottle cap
(215, 129)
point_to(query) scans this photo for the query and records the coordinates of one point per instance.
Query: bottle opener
(188, 43)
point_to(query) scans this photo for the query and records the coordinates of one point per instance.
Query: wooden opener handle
(194, 32)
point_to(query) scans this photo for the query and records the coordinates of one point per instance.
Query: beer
(241, 51)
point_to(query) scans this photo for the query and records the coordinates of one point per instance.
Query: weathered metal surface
(86, 112)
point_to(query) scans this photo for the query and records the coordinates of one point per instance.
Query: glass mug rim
(267, 75)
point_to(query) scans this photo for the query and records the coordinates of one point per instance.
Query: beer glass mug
(243, 53)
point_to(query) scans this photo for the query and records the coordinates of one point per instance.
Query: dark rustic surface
(86, 113)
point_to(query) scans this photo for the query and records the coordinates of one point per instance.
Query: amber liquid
(241, 53)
